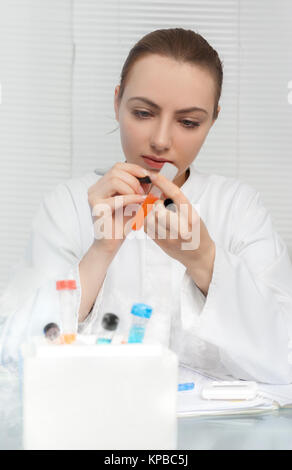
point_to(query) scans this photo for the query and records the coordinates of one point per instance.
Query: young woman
(224, 306)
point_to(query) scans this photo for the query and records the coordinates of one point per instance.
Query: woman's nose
(161, 139)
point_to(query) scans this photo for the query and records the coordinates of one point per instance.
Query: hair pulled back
(183, 45)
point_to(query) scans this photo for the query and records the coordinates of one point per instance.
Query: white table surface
(268, 431)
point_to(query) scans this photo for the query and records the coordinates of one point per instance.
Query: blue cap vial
(142, 310)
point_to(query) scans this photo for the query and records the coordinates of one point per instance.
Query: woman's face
(155, 116)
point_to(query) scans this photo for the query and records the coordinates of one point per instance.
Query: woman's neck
(182, 178)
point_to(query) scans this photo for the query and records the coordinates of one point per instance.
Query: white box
(99, 397)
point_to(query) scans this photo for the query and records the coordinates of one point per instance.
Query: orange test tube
(144, 210)
(169, 171)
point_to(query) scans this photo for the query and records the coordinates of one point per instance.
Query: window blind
(35, 115)
(265, 116)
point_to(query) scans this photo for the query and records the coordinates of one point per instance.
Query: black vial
(52, 331)
(110, 321)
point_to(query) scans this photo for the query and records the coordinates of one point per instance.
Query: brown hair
(183, 45)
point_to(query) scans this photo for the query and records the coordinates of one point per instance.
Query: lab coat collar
(195, 185)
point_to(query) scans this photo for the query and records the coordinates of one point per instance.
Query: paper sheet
(282, 394)
(190, 402)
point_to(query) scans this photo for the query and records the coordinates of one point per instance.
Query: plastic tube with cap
(140, 317)
(169, 171)
(68, 309)
(108, 328)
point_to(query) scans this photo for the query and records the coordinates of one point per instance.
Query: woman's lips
(154, 163)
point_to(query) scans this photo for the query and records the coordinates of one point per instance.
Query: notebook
(190, 403)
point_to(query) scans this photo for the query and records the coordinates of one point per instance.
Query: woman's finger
(167, 222)
(156, 224)
(169, 189)
(117, 202)
(130, 180)
(132, 168)
(169, 225)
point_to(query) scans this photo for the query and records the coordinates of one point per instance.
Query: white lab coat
(241, 328)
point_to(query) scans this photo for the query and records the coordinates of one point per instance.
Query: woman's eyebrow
(154, 105)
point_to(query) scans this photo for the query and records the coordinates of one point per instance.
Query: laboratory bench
(269, 431)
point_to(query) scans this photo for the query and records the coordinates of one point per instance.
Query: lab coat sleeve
(247, 314)
(53, 252)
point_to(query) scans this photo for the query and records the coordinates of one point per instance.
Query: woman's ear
(218, 111)
(116, 102)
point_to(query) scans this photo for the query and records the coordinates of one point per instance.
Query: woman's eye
(190, 124)
(141, 114)
(145, 114)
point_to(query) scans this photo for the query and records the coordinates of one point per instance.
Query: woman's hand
(181, 234)
(118, 188)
